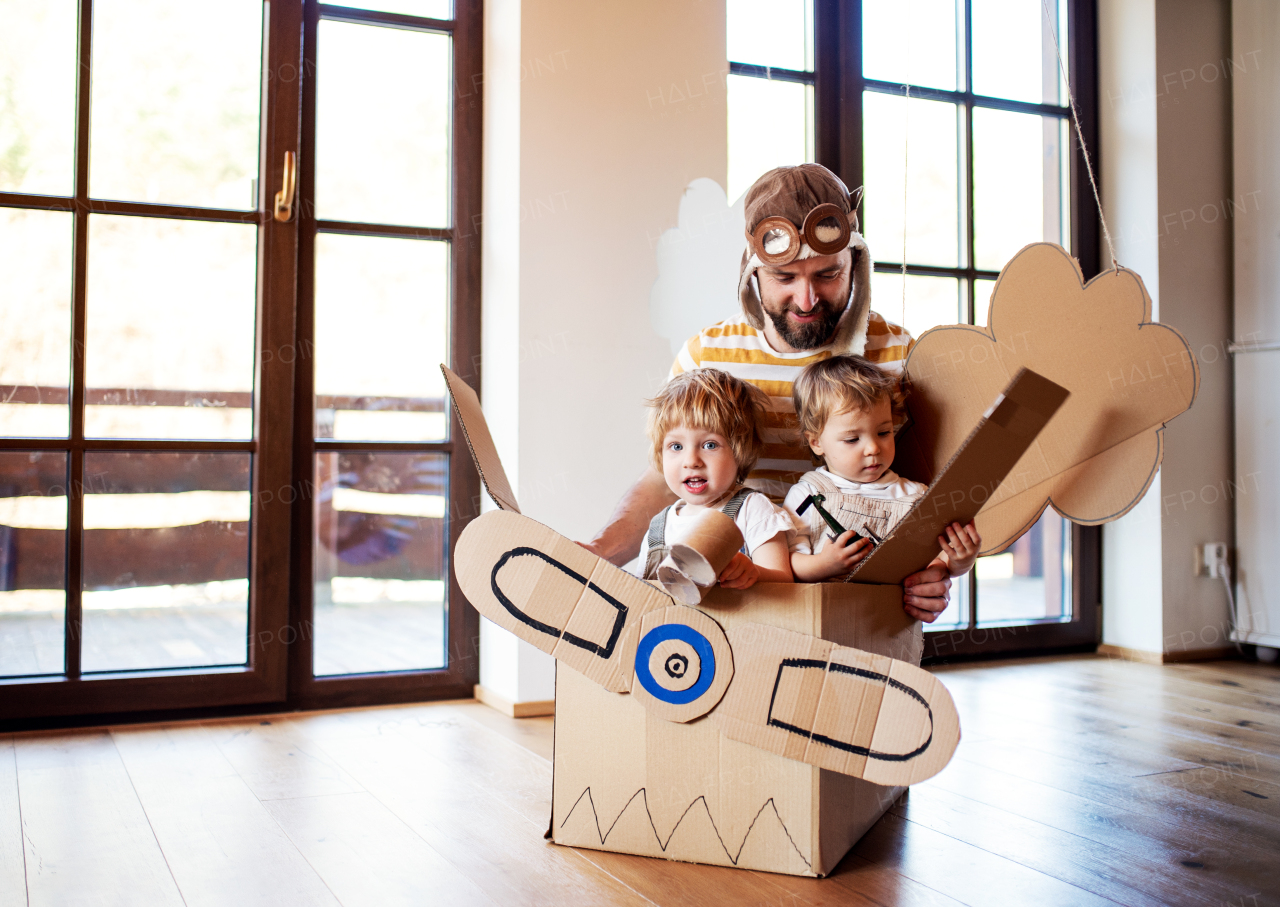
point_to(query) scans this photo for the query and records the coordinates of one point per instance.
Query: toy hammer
(816, 500)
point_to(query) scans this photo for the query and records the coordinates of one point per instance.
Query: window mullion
(849, 60)
(462, 623)
(301, 585)
(826, 84)
(279, 356)
(970, 260)
(80, 257)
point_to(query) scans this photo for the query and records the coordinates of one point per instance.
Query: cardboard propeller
(804, 698)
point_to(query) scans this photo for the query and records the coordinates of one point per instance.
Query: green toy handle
(816, 500)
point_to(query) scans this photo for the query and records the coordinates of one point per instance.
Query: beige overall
(865, 516)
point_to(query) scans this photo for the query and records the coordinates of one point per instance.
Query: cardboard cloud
(1127, 376)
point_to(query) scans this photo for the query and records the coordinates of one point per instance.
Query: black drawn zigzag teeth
(642, 794)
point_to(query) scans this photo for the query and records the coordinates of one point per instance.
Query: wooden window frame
(262, 677)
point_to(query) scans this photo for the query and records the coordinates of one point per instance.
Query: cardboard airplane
(1060, 400)
(805, 698)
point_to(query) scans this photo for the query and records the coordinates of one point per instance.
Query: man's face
(805, 299)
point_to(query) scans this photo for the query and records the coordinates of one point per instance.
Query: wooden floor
(1079, 780)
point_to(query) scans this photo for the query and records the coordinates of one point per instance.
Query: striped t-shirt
(741, 350)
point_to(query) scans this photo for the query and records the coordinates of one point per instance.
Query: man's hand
(742, 573)
(619, 540)
(925, 593)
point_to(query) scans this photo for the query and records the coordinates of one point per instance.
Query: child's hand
(843, 554)
(835, 559)
(961, 546)
(741, 573)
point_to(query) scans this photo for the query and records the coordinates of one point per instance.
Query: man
(805, 289)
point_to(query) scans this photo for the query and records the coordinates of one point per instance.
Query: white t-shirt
(758, 518)
(891, 487)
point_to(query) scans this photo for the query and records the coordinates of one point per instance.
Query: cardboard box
(630, 782)
(635, 775)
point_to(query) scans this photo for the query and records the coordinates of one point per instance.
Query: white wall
(597, 117)
(1131, 551)
(1193, 41)
(1165, 108)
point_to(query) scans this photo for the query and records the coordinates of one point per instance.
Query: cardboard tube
(677, 584)
(697, 556)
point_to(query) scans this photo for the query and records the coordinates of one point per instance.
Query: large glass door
(235, 244)
(136, 266)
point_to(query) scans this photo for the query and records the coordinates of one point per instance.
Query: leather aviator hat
(794, 213)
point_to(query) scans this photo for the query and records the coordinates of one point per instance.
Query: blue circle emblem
(685, 634)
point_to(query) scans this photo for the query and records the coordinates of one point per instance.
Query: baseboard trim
(1214, 654)
(535, 709)
(1163, 658)
(1124, 653)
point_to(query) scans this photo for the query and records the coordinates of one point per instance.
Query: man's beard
(811, 335)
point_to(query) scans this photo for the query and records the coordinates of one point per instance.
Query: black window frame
(276, 674)
(838, 86)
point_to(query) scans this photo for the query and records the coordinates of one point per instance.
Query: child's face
(698, 465)
(857, 445)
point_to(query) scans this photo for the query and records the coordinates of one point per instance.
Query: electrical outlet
(1211, 560)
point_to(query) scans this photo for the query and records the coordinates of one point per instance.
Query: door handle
(284, 198)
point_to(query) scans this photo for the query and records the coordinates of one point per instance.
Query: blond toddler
(847, 409)
(703, 425)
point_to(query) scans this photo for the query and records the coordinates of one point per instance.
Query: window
(192, 384)
(770, 97)
(954, 116)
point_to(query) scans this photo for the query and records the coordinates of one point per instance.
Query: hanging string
(906, 157)
(906, 148)
(1075, 119)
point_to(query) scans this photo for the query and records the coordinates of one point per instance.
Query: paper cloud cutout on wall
(1127, 376)
(698, 264)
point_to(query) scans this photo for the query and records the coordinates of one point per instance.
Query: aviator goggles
(776, 241)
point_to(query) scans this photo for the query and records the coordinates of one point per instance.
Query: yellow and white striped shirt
(741, 350)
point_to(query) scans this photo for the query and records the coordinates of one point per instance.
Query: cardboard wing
(1127, 377)
(838, 708)
(1003, 434)
(803, 698)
